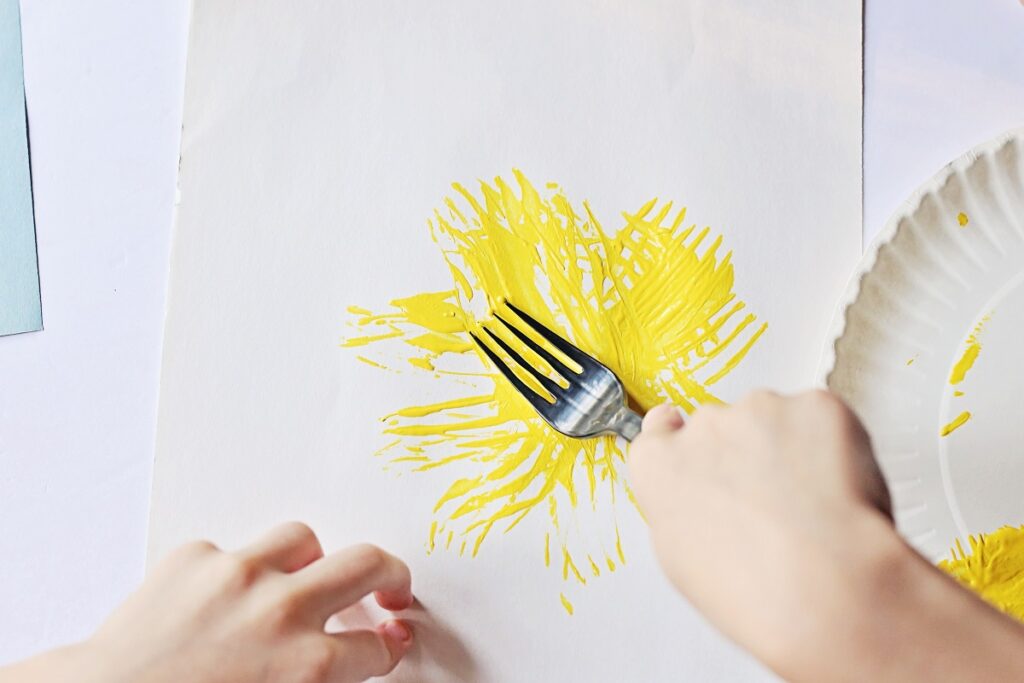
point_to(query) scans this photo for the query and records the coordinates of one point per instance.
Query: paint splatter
(972, 348)
(910, 361)
(654, 301)
(994, 568)
(962, 219)
(957, 422)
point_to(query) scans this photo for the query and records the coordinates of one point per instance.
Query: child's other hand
(209, 616)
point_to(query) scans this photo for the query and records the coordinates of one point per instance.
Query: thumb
(662, 419)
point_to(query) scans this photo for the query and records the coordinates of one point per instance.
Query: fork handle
(628, 424)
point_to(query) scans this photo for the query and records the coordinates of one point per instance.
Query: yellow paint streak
(956, 423)
(969, 354)
(962, 219)
(432, 408)
(371, 363)
(421, 363)
(363, 341)
(994, 568)
(566, 604)
(965, 363)
(654, 301)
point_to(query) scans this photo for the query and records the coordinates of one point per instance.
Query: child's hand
(256, 615)
(773, 519)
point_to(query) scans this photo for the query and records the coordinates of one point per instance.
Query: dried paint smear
(994, 569)
(972, 348)
(653, 300)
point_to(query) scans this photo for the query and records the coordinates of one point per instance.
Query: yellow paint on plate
(962, 219)
(963, 365)
(654, 301)
(957, 422)
(994, 569)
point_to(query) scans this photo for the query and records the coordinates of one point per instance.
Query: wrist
(78, 662)
(854, 590)
(898, 618)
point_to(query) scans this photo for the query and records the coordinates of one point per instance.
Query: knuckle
(285, 606)
(239, 573)
(298, 530)
(367, 558)
(822, 397)
(759, 398)
(191, 551)
(829, 405)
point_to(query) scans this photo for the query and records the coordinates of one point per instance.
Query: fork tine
(537, 401)
(557, 365)
(585, 361)
(552, 387)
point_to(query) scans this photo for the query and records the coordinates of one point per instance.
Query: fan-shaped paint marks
(653, 300)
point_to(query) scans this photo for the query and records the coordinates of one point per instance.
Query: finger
(343, 578)
(364, 654)
(663, 419)
(286, 548)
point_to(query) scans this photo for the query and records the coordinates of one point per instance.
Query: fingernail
(398, 631)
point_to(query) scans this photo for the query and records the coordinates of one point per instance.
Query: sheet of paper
(318, 141)
(20, 309)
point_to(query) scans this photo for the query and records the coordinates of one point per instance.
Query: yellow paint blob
(994, 569)
(957, 422)
(962, 219)
(653, 300)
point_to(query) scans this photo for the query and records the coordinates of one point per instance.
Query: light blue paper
(20, 309)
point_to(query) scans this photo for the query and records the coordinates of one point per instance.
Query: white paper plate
(921, 291)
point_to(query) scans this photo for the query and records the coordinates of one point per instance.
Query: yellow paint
(654, 301)
(963, 365)
(421, 363)
(566, 604)
(371, 363)
(994, 569)
(957, 422)
(910, 361)
(962, 219)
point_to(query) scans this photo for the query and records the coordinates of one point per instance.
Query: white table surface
(104, 82)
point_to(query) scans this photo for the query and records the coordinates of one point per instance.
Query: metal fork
(593, 403)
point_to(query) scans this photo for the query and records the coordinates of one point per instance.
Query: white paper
(310, 125)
